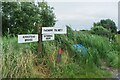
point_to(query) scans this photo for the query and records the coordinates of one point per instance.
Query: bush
(99, 30)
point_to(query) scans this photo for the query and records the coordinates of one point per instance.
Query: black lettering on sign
(47, 35)
(28, 36)
(33, 36)
(59, 29)
(28, 39)
(55, 29)
(48, 29)
(48, 38)
(44, 35)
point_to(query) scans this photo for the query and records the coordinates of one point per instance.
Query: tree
(47, 15)
(107, 24)
(99, 30)
(23, 17)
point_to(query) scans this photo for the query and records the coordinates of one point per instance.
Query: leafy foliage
(26, 17)
(99, 30)
(107, 24)
(98, 46)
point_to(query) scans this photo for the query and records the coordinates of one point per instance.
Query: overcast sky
(81, 14)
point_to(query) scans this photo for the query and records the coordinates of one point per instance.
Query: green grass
(17, 59)
(22, 60)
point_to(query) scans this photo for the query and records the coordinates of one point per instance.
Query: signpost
(27, 38)
(44, 34)
(40, 39)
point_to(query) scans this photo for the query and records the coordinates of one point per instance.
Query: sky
(82, 14)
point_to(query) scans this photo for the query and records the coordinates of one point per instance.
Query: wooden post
(39, 39)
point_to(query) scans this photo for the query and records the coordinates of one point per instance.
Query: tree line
(27, 17)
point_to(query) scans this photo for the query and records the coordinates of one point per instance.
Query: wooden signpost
(44, 34)
(39, 39)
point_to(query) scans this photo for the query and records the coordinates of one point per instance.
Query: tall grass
(22, 60)
(0, 57)
(99, 48)
(17, 59)
(67, 68)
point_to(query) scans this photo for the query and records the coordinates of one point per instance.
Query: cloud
(84, 13)
(81, 0)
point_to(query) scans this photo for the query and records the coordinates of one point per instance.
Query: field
(85, 53)
(23, 60)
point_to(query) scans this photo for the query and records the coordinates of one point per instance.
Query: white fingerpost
(47, 37)
(27, 38)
